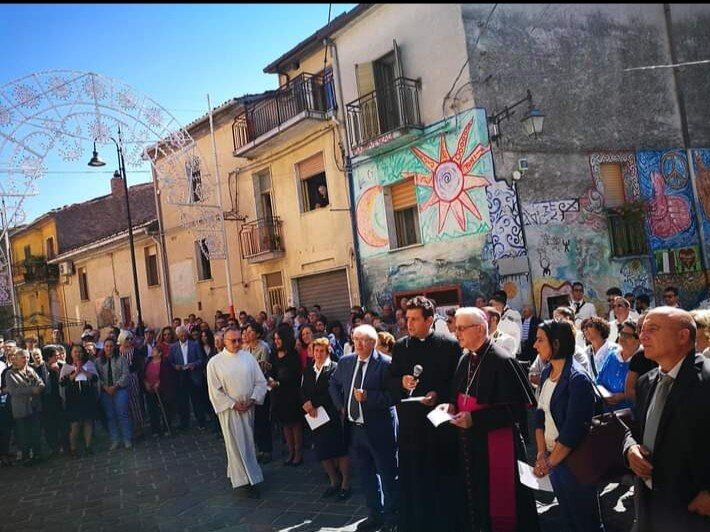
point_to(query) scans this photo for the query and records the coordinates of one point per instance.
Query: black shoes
(330, 491)
(253, 491)
(344, 495)
(371, 523)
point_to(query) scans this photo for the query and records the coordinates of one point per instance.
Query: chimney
(117, 185)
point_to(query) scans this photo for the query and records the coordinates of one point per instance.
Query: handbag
(599, 458)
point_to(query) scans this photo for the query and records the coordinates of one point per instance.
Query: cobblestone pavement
(180, 483)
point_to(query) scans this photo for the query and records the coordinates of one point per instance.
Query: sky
(175, 54)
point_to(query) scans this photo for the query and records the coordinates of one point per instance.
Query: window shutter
(613, 181)
(314, 165)
(398, 69)
(403, 195)
(365, 78)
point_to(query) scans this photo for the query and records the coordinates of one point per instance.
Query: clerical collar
(484, 347)
(431, 331)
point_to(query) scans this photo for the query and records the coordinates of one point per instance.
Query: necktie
(655, 410)
(110, 373)
(578, 305)
(354, 406)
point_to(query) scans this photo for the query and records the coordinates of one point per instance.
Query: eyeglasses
(462, 328)
(627, 336)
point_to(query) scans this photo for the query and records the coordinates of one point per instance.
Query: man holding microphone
(423, 366)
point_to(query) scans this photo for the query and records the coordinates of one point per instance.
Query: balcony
(35, 270)
(261, 240)
(289, 110)
(384, 115)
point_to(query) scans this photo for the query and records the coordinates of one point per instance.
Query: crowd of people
(371, 389)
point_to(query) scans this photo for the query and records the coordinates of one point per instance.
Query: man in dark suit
(358, 388)
(668, 446)
(427, 454)
(529, 328)
(187, 359)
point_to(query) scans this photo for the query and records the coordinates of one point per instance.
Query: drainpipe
(680, 99)
(348, 169)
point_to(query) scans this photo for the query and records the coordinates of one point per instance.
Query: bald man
(668, 446)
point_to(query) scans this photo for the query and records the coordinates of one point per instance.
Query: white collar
(325, 365)
(673, 373)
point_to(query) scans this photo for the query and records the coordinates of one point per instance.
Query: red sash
(501, 470)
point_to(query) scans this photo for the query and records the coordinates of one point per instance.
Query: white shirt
(511, 323)
(505, 341)
(183, 347)
(543, 402)
(325, 365)
(586, 310)
(360, 418)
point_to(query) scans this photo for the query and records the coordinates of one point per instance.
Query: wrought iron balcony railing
(35, 270)
(305, 92)
(383, 110)
(260, 237)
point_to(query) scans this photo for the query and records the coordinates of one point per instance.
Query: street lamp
(121, 173)
(532, 121)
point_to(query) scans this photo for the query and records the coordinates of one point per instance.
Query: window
(50, 248)
(262, 195)
(194, 178)
(83, 284)
(313, 189)
(626, 220)
(126, 311)
(404, 217)
(275, 293)
(151, 265)
(204, 268)
(28, 252)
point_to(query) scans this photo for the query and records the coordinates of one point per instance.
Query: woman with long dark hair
(565, 407)
(285, 386)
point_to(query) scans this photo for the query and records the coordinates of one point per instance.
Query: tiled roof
(83, 223)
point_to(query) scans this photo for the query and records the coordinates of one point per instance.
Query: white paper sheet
(321, 418)
(528, 478)
(417, 399)
(437, 417)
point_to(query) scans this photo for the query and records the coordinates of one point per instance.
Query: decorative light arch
(63, 111)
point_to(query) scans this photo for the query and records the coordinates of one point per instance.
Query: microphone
(416, 372)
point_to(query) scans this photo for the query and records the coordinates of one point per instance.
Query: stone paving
(180, 483)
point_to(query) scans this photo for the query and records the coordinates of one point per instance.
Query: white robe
(231, 377)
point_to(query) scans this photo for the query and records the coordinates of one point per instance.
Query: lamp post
(532, 122)
(121, 173)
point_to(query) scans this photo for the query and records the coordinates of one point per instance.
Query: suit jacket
(572, 404)
(317, 390)
(378, 411)
(195, 355)
(527, 351)
(681, 462)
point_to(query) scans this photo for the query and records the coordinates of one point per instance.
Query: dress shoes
(253, 491)
(330, 491)
(344, 495)
(371, 523)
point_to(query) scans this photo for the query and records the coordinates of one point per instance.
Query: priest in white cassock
(236, 384)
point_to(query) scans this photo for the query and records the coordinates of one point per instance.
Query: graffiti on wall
(506, 236)
(450, 169)
(701, 165)
(665, 184)
(627, 160)
(545, 212)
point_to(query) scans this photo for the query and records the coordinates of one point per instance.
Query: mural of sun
(450, 179)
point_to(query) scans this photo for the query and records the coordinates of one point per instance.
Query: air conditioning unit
(66, 267)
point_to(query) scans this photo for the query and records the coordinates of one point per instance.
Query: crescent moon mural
(368, 226)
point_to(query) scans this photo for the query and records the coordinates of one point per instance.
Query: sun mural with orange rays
(450, 178)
